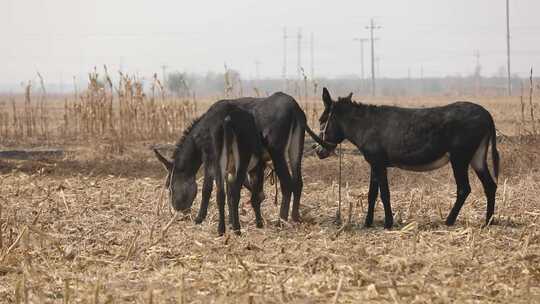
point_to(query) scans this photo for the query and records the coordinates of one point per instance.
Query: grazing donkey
(281, 123)
(225, 138)
(416, 140)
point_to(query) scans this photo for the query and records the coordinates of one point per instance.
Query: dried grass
(96, 226)
(84, 234)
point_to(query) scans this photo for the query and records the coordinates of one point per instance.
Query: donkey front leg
(460, 167)
(382, 179)
(372, 197)
(208, 184)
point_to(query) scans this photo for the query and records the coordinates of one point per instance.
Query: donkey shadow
(438, 225)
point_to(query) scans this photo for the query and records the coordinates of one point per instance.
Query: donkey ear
(168, 164)
(327, 99)
(349, 96)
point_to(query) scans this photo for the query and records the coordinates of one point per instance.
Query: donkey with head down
(225, 138)
(418, 140)
(282, 125)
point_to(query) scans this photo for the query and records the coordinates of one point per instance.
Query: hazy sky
(62, 38)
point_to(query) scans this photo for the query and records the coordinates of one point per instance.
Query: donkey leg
(233, 203)
(220, 199)
(382, 179)
(257, 194)
(280, 166)
(234, 192)
(208, 184)
(296, 150)
(490, 188)
(460, 167)
(372, 197)
(229, 200)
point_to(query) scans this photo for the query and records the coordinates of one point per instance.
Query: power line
(311, 46)
(164, 75)
(371, 28)
(257, 70)
(362, 74)
(299, 53)
(477, 71)
(509, 82)
(284, 68)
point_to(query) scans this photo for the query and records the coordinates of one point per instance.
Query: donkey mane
(185, 134)
(357, 105)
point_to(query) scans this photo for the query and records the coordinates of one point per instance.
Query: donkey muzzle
(322, 153)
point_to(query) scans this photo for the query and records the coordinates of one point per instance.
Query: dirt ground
(97, 228)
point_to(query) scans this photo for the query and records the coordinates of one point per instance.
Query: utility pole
(121, 65)
(299, 54)
(422, 79)
(61, 83)
(257, 70)
(509, 84)
(477, 71)
(362, 74)
(284, 68)
(164, 75)
(312, 51)
(371, 28)
(409, 81)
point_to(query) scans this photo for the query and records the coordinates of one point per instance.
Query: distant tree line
(232, 84)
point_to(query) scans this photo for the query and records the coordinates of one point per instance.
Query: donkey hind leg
(382, 179)
(296, 150)
(229, 200)
(490, 188)
(480, 166)
(234, 184)
(460, 165)
(280, 167)
(220, 199)
(372, 197)
(233, 202)
(257, 191)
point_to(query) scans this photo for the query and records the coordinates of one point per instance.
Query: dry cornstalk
(164, 230)
(17, 240)
(531, 105)
(338, 290)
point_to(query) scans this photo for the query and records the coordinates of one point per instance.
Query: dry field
(95, 227)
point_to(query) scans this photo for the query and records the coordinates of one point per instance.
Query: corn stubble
(97, 227)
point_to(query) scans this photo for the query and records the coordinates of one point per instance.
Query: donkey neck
(187, 155)
(354, 119)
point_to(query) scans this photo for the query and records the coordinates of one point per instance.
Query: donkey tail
(228, 141)
(494, 153)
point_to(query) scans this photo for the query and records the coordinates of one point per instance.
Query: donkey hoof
(221, 230)
(259, 224)
(489, 223)
(450, 222)
(296, 218)
(198, 220)
(388, 225)
(237, 232)
(280, 223)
